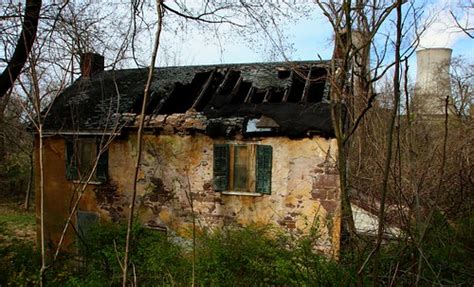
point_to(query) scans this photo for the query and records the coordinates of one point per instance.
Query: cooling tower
(432, 81)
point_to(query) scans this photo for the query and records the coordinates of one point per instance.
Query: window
(243, 168)
(81, 154)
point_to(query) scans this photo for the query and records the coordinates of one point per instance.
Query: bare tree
(65, 33)
(462, 82)
(355, 27)
(464, 25)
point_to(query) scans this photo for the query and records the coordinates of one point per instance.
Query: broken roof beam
(307, 85)
(267, 96)
(225, 82)
(203, 90)
(250, 93)
(288, 88)
(163, 101)
(221, 96)
(235, 90)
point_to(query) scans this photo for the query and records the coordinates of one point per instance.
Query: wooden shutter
(221, 166)
(263, 169)
(102, 165)
(71, 166)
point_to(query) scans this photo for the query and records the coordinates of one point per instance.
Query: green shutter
(102, 165)
(221, 166)
(71, 167)
(263, 169)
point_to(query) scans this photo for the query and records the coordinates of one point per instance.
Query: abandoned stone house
(235, 144)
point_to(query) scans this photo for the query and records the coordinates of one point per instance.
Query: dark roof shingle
(294, 94)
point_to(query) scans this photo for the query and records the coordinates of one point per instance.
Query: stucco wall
(304, 186)
(59, 193)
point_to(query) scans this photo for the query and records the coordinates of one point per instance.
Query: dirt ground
(16, 224)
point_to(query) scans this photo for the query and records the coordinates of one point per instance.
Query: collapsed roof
(292, 96)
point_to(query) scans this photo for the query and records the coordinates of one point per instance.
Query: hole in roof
(317, 86)
(252, 127)
(137, 105)
(242, 92)
(176, 100)
(231, 81)
(297, 87)
(276, 96)
(153, 103)
(283, 74)
(225, 88)
(257, 97)
(209, 90)
(182, 96)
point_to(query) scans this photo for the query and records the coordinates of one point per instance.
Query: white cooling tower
(432, 81)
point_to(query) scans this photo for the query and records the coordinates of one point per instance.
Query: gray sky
(311, 36)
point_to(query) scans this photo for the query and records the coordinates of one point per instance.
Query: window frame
(73, 172)
(258, 179)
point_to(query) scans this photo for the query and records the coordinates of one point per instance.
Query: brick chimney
(91, 64)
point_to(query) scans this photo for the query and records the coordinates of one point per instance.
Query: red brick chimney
(91, 64)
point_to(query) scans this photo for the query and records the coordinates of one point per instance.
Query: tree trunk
(388, 159)
(23, 46)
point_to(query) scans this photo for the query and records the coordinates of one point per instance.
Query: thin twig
(140, 141)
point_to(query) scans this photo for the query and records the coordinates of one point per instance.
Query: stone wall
(178, 168)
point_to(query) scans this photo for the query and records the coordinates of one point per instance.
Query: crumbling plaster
(176, 168)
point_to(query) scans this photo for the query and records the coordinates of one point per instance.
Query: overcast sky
(311, 38)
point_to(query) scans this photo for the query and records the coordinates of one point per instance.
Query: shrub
(19, 265)
(245, 256)
(262, 256)
(446, 257)
(153, 258)
(233, 256)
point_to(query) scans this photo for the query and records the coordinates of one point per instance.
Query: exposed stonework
(176, 169)
(187, 123)
(109, 200)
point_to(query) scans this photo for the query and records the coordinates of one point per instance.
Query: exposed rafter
(163, 100)
(236, 88)
(307, 85)
(225, 81)
(203, 90)
(268, 94)
(250, 93)
(288, 89)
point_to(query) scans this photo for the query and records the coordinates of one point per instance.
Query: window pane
(240, 167)
(71, 166)
(221, 166)
(87, 153)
